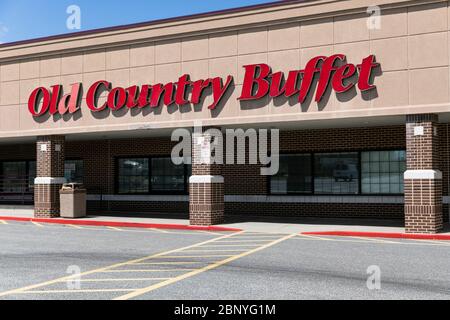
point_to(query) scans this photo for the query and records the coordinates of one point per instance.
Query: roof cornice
(268, 14)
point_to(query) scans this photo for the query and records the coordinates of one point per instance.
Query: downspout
(448, 172)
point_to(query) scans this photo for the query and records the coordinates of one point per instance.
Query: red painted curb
(391, 235)
(121, 224)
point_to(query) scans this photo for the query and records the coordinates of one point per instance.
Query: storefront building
(363, 113)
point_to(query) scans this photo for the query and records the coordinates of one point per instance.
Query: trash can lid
(72, 186)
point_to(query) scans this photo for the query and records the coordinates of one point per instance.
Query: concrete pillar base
(423, 206)
(206, 204)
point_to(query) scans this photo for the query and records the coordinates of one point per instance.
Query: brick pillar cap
(206, 179)
(423, 174)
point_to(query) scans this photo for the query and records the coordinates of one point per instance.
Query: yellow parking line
(147, 270)
(446, 243)
(76, 291)
(39, 285)
(231, 245)
(140, 292)
(215, 250)
(255, 233)
(160, 230)
(420, 241)
(256, 237)
(37, 224)
(242, 241)
(209, 232)
(165, 263)
(314, 237)
(375, 240)
(114, 228)
(185, 257)
(300, 238)
(89, 228)
(119, 279)
(75, 226)
(365, 240)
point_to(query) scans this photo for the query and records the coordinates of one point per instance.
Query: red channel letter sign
(259, 81)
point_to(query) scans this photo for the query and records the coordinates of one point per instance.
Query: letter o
(91, 97)
(117, 98)
(33, 101)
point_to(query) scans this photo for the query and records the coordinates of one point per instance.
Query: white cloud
(3, 29)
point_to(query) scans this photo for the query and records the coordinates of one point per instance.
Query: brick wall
(322, 210)
(99, 168)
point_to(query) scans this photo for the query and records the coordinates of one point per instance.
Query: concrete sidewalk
(274, 227)
(246, 223)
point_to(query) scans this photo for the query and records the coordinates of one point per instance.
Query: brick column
(50, 176)
(423, 180)
(206, 185)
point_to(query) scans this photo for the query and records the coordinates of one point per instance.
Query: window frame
(360, 173)
(291, 153)
(358, 157)
(313, 191)
(185, 190)
(27, 162)
(76, 159)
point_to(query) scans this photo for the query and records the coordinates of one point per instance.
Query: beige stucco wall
(412, 47)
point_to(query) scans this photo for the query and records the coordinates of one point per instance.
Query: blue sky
(28, 19)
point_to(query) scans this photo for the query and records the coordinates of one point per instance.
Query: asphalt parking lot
(44, 261)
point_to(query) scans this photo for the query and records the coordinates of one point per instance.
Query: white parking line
(375, 240)
(114, 228)
(37, 224)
